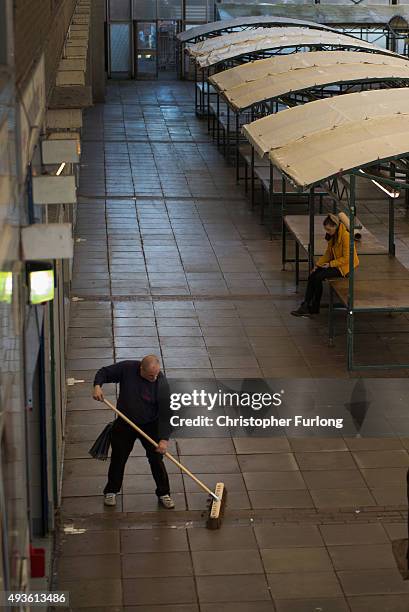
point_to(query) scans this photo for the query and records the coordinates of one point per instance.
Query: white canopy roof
(220, 48)
(313, 142)
(295, 123)
(217, 26)
(265, 79)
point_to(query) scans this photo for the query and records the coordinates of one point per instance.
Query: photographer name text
(253, 421)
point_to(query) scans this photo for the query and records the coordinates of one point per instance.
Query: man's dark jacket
(129, 401)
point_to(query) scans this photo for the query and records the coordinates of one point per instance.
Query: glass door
(120, 50)
(146, 52)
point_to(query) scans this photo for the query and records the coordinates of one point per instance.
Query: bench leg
(350, 339)
(331, 314)
(283, 246)
(297, 266)
(262, 197)
(246, 177)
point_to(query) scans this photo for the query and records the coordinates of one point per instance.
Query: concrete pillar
(97, 50)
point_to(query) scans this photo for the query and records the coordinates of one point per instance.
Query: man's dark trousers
(123, 437)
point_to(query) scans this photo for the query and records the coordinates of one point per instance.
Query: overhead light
(40, 282)
(6, 287)
(60, 169)
(392, 193)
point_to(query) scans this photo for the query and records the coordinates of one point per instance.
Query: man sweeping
(144, 398)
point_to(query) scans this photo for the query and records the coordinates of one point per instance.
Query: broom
(218, 498)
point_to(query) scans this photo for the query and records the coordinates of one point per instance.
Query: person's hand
(97, 394)
(163, 447)
(325, 265)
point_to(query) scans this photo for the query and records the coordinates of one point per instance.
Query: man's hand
(97, 394)
(163, 447)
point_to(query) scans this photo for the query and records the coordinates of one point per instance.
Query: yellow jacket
(337, 252)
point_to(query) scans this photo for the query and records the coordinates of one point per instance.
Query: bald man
(145, 399)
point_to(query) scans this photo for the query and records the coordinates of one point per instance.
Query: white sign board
(45, 241)
(58, 151)
(54, 190)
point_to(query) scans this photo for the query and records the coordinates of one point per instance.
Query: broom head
(216, 510)
(100, 448)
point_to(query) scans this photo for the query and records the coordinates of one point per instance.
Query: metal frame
(349, 190)
(295, 98)
(234, 25)
(201, 101)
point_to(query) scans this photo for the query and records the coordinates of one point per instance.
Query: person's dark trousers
(313, 293)
(122, 440)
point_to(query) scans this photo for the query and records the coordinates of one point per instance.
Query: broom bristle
(216, 510)
(100, 449)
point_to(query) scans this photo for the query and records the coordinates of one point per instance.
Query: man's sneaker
(110, 499)
(167, 501)
(302, 311)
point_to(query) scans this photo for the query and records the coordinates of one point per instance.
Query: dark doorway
(167, 49)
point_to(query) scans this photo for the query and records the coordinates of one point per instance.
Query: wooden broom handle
(155, 444)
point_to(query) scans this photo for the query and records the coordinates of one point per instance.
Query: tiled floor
(165, 232)
(170, 259)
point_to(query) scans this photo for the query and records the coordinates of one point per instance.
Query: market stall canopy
(281, 75)
(329, 137)
(211, 29)
(294, 124)
(221, 48)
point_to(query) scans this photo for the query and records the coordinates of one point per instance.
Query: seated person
(332, 264)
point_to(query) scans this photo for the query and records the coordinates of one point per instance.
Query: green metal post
(227, 149)
(218, 119)
(331, 322)
(196, 111)
(202, 97)
(237, 148)
(283, 228)
(391, 249)
(252, 178)
(350, 316)
(208, 107)
(311, 246)
(406, 197)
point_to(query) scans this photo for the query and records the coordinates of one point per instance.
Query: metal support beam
(252, 178)
(351, 277)
(311, 246)
(237, 148)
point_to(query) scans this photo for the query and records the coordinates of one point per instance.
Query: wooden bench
(381, 284)
(281, 188)
(298, 227)
(222, 124)
(204, 92)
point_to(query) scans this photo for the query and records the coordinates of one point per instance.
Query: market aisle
(170, 259)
